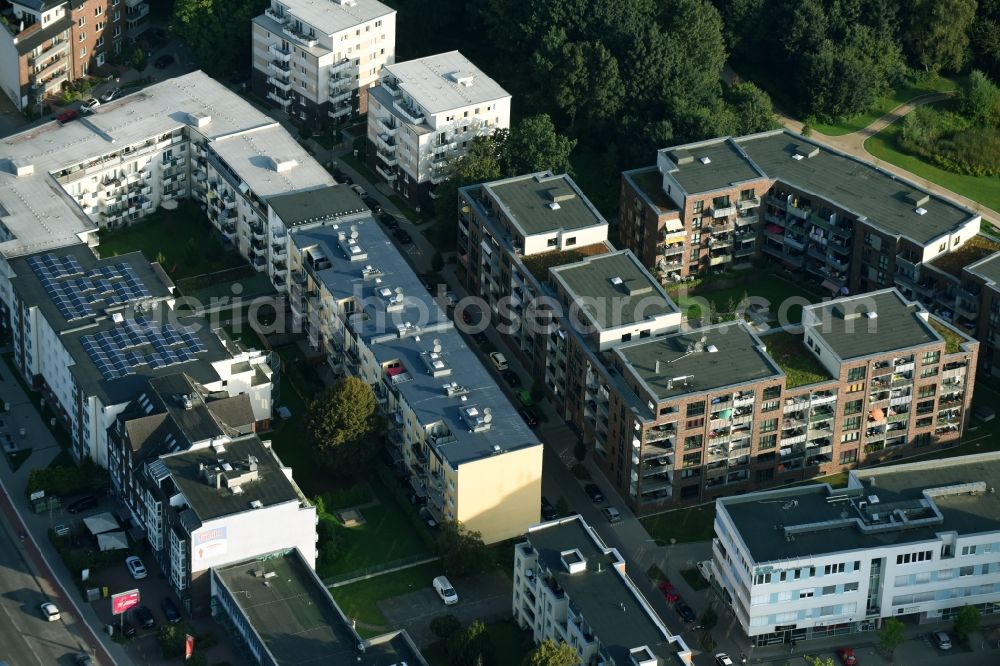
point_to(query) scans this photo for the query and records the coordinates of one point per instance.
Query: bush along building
(678, 417)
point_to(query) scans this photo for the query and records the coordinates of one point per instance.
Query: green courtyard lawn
(359, 600)
(510, 644)
(885, 146)
(181, 239)
(903, 94)
(727, 292)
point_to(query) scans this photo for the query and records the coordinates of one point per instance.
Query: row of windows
(807, 593)
(804, 572)
(921, 556)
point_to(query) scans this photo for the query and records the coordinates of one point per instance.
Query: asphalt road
(25, 638)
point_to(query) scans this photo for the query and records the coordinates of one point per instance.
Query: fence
(201, 281)
(379, 569)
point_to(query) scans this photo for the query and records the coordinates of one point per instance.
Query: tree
(216, 31)
(890, 636)
(582, 78)
(534, 145)
(549, 653)
(818, 661)
(752, 109)
(984, 37)
(980, 99)
(462, 551)
(341, 425)
(937, 33)
(471, 647)
(967, 621)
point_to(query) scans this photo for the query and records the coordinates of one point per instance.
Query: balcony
(745, 204)
(722, 211)
(340, 97)
(719, 260)
(58, 48)
(388, 174)
(279, 54)
(340, 111)
(283, 83)
(298, 34)
(276, 16)
(747, 220)
(795, 211)
(278, 67)
(410, 113)
(386, 126)
(136, 14)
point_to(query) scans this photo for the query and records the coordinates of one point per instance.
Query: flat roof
(710, 165)
(252, 155)
(431, 82)
(299, 622)
(671, 365)
(845, 325)
(883, 199)
(330, 16)
(424, 393)
(324, 203)
(621, 618)
(270, 488)
(543, 203)
(988, 268)
(819, 526)
(649, 182)
(614, 289)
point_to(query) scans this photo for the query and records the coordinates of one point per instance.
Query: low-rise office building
(914, 540)
(285, 616)
(467, 454)
(569, 587)
(317, 59)
(424, 113)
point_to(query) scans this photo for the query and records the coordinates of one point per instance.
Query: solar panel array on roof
(77, 294)
(120, 350)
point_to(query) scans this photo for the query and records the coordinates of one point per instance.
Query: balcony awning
(877, 414)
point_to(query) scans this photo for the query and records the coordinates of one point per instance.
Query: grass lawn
(509, 643)
(885, 146)
(904, 93)
(258, 284)
(387, 535)
(783, 297)
(358, 600)
(182, 238)
(683, 525)
(789, 352)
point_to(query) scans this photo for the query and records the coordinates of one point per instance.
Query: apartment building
(424, 113)
(284, 615)
(316, 59)
(916, 540)
(136, 19)
(844, 223)
(45, 44)
(452, 432)
(89, 332)
(569, 587)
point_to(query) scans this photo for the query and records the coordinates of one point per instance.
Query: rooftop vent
(463, 79)
(452, 389)
(199, 119)
(805, 151)
(920, 211)
(554, 205)
(705, 160)
(256, 504)
(282, 165)
(642, 656)
(477, 420)
(369, 272)
(573, 560)
(916, 197)
(871, 314)
(680, 157)
(617, 281)
(21, 169)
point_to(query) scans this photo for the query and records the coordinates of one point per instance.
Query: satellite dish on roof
(487, 415)
(354, 231)
(437, 345)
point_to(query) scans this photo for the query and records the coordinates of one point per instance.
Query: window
(746, 195)
(852, 423)
(695, 423)
(927, 391)
(850, 437)
(693, 442)
(850, 587)
(83, 51)
(699, 206)
(100, 42)
(695, 253)
(770, 425)
(770, 405)
(100, 25)
(854, 388)
(696, 409)
(82, 22)
(849, 457)
(928, 372)
(83, 38)
(552, 242)
(695, 237)
(853, 407)
(856, 374)
(833, 569)
(626, 337)
(696, 222)
(98, 10)
(771, 392)
(571, 240)
(691, 459)
(768, 442)
(930, 357)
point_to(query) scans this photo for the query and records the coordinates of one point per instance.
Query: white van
(445, 591)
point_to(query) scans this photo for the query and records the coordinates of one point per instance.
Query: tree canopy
(471, 647)
(462, 551)
(890, 636)
(550, 653)
(217, 31)
(342, 425)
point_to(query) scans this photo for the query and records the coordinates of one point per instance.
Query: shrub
(445, 626)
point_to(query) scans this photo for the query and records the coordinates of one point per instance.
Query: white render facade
(424, 113)
(918, 539)
(316, 59)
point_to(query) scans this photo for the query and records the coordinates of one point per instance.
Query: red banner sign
(122, 601)
(188, 646)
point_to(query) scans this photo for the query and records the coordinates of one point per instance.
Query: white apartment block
(918, 539)
(570, 587)
(424, 114)
(316, 59)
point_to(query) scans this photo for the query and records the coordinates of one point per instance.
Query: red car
(847, 657)
(668, 591)
(67, 115)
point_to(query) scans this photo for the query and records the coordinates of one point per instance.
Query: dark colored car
(372, 203)
(83, 659)
(144, 617)
(67, 115)
(389, 221)
(528, 416)
(402, 236)
(170, 610)
(163, 61)
(341, 177)
(128, 629)
(548, 511)
(685, 611)
(82, 504)
(511, 378)
(594, 493)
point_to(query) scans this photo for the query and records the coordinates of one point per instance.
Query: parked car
(67, 115)
(402, 236)
(548, 511)
(445, 591)
(82, 659)
(942, 640)
(170, 610)
(723, 659)
(511, 378)
(136, 567)
(612, 514)
(341, 177)
(127, 629)
(389, 221)
(111, 94)
(529, 416)
(685, 611)
(83, 504)
(50, 612)
(668, 591)
(499, 361)
(360, 190)
(90, 106)
(847, 657)
(594, 493)
(144, 617)
(372, 203)
(705, 569)
(164, 61)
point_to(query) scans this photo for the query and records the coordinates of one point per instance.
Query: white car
(50, 612)
(723, 659)
(445, 591)
(360, 190)
(499, 361)
(612, 514)
(136, 567)
(90, 106)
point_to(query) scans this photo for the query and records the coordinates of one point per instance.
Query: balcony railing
(409, 112)
(299, 35)
(60, 46)
(283, 55)
(275, 16)
(280, 82)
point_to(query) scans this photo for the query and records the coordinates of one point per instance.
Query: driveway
(487, 597)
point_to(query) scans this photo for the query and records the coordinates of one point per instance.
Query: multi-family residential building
(316, 59)
(136, 19)
(845, 223)
(284, 616)
(89, 332)
(452, 432)
(569, 587)
(916, 541)
(424, 113)
(45, 44)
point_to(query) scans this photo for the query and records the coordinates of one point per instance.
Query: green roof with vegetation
(974, 249)
(789, 352)
(539, 264)
(952, 340)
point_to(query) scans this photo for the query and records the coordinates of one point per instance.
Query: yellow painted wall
(501, 496)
